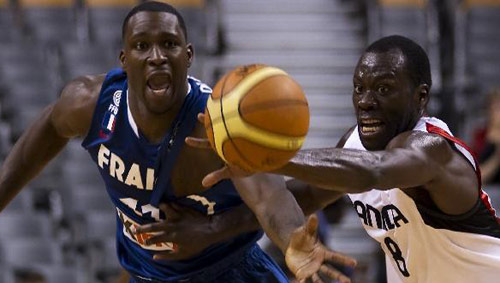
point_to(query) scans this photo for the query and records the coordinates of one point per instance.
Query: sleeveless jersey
(137, 178)
(421, 243)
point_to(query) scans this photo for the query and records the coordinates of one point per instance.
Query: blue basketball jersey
(137, 177)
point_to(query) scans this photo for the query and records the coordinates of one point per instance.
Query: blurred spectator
(487, 141)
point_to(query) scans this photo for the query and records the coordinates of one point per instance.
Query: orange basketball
(257, 117)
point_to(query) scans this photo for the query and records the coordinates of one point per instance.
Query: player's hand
(187, 228)
(199, 142)
(307, 258)
(226, 172)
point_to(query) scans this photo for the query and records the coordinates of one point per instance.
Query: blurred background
(61, 228)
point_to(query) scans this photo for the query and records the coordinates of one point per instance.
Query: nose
(157, 57)
(367, 101)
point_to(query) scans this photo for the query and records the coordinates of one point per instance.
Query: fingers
(316, 279)
(157, 239)
(340, 259)
(298, 240)
(152, 227)
(215, 177)
(198, 142)
(312, 225)
(334, 274)
(164, 255)
(167, 254)
(201, 118)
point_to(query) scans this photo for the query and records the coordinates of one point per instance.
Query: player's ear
(123, 60)
(189, 54)
(422, 95)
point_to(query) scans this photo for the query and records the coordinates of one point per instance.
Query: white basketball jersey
(422, 244)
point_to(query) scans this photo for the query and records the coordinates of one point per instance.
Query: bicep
(416, 163)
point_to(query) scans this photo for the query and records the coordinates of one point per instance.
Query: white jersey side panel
(415, 251)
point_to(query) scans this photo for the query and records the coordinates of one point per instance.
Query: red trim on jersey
(484, 197)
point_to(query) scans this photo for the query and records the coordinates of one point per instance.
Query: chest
(384, 212)
(128, 163)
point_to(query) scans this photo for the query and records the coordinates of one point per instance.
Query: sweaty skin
(388, 103)
(155, 57)
(387, 107)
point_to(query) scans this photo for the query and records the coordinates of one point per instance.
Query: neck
(414, 122)
(154, 126)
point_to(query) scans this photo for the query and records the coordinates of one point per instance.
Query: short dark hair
(417, 61)
(153, 6)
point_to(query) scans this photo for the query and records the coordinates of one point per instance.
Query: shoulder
(83, 87)
(432, 145)
(72, 113)
(454, 184)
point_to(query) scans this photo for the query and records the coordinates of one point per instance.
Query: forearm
(274, 206)
(279, 216)
(234, 222)
(345, 171)
(241, 219)
(34, 149)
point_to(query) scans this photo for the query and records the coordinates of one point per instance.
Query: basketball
(257, 118)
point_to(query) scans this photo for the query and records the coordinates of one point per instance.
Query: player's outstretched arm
(411, 159)
(68, 117)
(273, 205)
(283, 221)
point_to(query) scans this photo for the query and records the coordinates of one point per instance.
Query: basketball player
(416, 188)
(134, 121)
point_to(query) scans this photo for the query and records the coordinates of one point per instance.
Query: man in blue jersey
(134, 121)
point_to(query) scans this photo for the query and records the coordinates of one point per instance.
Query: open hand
(187, 228)
(226, 172)
(306, 257)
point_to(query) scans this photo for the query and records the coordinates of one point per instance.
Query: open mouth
(158, 83)
(369, 126)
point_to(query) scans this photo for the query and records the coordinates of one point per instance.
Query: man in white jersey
(415, 187)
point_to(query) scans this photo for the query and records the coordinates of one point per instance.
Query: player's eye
(170, 43)
(358, 89)
(141, 45)
(383, 89)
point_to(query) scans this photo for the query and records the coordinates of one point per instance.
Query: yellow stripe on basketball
(218, 129)
(236, 126)
(252, 80)
(239, 128)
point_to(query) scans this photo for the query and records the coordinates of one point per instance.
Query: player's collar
(131, 120)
